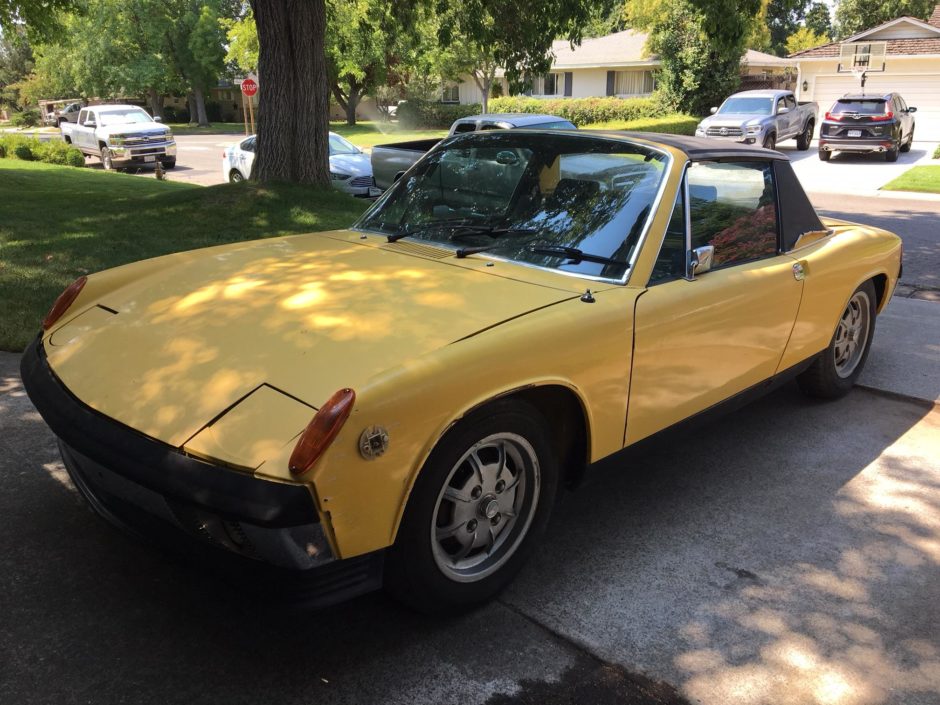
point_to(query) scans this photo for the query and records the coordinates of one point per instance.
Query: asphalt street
(789, 553)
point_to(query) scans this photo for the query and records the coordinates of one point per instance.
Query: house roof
(921, 44)
(895, 47)
(759, 58)
(618, 49)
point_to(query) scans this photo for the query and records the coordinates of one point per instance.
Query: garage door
(919, 91)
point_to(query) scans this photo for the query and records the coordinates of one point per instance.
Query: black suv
(867, 123)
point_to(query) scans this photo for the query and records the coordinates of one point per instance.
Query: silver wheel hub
(852, 334)
(485, 507)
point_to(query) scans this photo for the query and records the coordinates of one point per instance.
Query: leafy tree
(241, 36)
(41, 18)
(16, 63)
(783, 19)
(853, 16)
(804, 38)
(818, 19)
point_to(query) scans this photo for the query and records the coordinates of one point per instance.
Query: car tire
(825, 155)
(770, 141)
(169, 164)
(906, 147)
(891, 155)
(235, 176)
(835, 371)
(806, 137)
(463, 537)
(106, 162)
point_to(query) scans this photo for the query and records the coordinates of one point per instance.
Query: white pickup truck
(121, 136)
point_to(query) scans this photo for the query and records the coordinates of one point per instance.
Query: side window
(733, 208)
(790, 102)
(90, 116)
(81, 117)
(670, 264)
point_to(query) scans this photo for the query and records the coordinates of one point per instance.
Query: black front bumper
(151, 488)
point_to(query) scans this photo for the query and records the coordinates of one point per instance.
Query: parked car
(764, 117)
(390, 161)
(399, 402)
(121, 136)
(69, 113)
(350, 168)
(867, 123)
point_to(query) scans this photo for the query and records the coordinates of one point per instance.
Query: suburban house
(617, 65)
(902, 55)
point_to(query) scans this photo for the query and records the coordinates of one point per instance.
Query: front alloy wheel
(106, 160)
(476, 511)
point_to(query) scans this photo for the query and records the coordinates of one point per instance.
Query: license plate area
(854, 133)
(150, 159)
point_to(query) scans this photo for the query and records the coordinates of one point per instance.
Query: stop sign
(249, 87)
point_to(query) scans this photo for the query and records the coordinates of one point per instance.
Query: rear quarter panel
(834, 267)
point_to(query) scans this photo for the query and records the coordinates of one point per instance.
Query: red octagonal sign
(249, 87)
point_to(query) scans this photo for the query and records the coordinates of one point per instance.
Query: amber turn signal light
(61, 305)
(321, 431)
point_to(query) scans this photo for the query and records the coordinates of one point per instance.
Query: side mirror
(157, 118)
(911, 110)
(783, 110)
(713, 110)
(701, 260)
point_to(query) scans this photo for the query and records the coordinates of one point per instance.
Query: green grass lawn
(216, 128)
(57, 223)
(918, 178)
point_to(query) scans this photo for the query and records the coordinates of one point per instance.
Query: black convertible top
(698, 148)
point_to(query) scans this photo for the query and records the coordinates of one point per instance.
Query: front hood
(740, 121)
(149, 129)
(355, 164)
(167, 351)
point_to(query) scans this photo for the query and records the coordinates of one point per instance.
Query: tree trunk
(293, 109)
(156, 103)
(200, 107)
(352, 103)
(191, 102)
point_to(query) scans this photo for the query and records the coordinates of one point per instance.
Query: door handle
(799, 271)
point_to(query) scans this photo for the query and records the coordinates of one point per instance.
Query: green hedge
(427, 114)
(32, 150)
(27, 118)
(675, 124)
(583, 111)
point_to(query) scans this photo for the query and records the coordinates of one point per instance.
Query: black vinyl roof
(699, 148)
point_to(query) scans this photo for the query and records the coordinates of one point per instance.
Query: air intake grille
(724, 132)
(420, 250)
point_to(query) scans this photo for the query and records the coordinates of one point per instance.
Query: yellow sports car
(398, 403)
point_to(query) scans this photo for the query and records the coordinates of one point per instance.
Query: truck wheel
(825, 155)
(169, 164)
(805, 137)
(891, 155)
(770, 141)
(106, 161)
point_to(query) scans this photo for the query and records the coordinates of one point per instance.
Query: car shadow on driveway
(768, 539)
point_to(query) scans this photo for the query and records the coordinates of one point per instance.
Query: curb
(897, 396)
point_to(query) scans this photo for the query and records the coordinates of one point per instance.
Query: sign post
(249, 88)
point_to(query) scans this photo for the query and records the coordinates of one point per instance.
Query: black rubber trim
(156, 465)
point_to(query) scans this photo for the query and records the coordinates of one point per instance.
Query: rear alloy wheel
(234, 176)
(770, 141)
(834, 372)
(825, 155)
(806, 137)
(906, 147)
(478, 508)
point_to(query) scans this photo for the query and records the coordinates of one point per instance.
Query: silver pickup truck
(390, 161)
(121, 136)
(763, 117)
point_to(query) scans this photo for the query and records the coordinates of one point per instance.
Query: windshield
(122, 117)
(862, 107)
(747, 106)
(525, 196)
(338, 145)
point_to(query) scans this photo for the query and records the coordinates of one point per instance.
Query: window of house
(633, 82)
(733, 208)
(450, 93)
(549, 84)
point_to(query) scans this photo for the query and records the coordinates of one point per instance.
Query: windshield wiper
(456, 223)
(575, 255)
(464, 251)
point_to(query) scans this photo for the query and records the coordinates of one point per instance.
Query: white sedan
(350, 168)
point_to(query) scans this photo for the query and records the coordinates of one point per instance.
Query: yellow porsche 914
(398, 403)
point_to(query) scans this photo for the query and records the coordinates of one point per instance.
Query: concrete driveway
(789, 553)
(853, 174)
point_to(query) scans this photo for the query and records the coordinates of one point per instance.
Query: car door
(85, 131)
(701, 338)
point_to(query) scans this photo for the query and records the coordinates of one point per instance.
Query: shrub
(23, 151)
(172, 114)
(675, 124)
(936, 152)
(429, 114)
(27, 118)
(583, 111)
(74, 158)
(3, 151)
(213, 111)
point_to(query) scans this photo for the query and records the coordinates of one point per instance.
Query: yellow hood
(168, 351)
